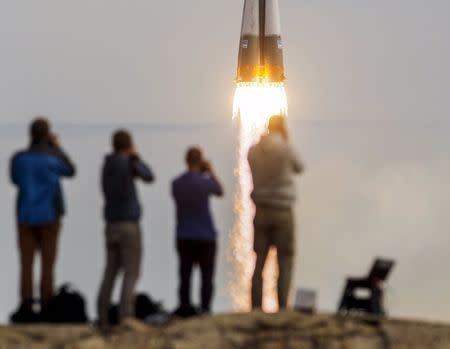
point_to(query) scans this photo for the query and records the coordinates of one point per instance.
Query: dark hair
(39, 129)
(194, 156)
(122, 140)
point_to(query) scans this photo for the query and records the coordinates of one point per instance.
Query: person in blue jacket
(122, 212)
(37, 172)
(195, 231)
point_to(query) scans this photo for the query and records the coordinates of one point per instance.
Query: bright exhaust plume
(254, 104)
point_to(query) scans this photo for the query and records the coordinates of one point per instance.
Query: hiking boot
(25, 314)
(186, 311)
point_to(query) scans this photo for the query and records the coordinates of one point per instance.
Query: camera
(205, 167)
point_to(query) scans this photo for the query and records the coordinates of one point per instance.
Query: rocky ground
(236, 331)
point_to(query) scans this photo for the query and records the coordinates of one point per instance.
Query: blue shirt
(37, 172)
(191, 192)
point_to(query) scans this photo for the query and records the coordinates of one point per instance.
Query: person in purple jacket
(195, 231)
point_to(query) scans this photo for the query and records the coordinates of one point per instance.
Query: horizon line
(230, 122)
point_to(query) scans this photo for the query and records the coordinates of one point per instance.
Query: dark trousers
(32, 239)
(190, 253)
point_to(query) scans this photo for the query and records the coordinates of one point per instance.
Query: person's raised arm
(65, 167)
(297, 163)
(216, 187)
(141, 169)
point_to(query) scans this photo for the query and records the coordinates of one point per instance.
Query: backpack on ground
(67, 306)
(144, 307)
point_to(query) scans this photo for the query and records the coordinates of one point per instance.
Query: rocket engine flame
(254, 104)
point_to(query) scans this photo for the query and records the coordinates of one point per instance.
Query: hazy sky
(174, 61)
(370, 81)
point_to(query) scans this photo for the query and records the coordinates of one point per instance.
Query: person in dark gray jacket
(122, 212)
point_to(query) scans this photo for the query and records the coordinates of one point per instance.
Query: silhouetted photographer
(122, 212)
(37, 172)
(274, 163)
(195, 231)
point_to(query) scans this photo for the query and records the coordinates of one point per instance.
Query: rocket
(261, 47)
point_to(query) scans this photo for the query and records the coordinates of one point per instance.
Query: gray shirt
(273, 163)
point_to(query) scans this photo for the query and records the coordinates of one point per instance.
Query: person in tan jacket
(274, 163)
